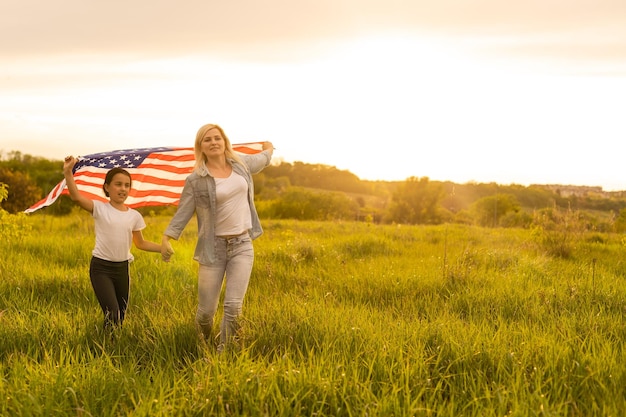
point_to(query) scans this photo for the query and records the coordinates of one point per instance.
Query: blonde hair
(201, 158)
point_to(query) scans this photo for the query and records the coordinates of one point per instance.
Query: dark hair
(109, 177)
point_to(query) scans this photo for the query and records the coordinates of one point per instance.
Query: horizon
(517, 93)
(276, 161)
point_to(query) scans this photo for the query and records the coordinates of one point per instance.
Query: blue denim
(233, 262)
(199, 197)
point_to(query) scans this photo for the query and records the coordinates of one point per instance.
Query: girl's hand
(68, 164)
(75, 194)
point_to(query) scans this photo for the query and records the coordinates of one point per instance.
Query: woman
(117, 227)
(220, 191)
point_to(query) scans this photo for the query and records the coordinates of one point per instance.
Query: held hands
(166, 249)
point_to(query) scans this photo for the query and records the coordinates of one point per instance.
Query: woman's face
(213, 143)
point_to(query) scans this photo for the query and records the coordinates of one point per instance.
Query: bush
(13, 227)
(21, 191)
(298, 203)
(556, 231)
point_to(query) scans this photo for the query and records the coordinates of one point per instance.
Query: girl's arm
(143, 244)
(75, 194)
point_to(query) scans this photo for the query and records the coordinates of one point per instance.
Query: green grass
(342, 319)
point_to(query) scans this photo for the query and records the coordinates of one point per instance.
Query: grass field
(341, 319)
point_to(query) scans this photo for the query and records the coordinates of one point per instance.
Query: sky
(513, 92)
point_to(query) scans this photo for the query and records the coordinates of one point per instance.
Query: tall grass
(340, 319)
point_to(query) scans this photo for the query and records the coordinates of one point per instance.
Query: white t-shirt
(114, 231)
(233, 210)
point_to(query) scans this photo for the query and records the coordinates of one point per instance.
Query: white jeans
(234, 259)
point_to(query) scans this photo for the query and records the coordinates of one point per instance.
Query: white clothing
(114, 231)
(233, 210)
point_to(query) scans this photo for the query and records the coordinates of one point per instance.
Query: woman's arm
(256, 162)
(75, 194)
(184, 212)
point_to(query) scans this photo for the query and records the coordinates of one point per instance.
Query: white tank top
(233, 209)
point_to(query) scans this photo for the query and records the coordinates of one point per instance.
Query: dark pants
(111, 283)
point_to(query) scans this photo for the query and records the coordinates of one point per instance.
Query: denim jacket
(198, 196)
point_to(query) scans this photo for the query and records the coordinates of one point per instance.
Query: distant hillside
(31, 178)
(458, 196)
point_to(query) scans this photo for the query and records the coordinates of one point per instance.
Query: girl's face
(119, 188)
(213, 143)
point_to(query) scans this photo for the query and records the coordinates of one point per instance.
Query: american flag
(158, 174)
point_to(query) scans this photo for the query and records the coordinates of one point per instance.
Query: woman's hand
(166, 249)
(267, 146)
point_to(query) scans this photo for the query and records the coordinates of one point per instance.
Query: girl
(116, 227)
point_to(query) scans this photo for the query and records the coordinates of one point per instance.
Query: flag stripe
(141, 181)
(49, 199)
(89, 194)
(178, 156)
(248, 148)
(167, 168)
(96, 176)
(158, 174)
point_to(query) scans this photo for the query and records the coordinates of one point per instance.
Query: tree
(22, 191)
(488, 211)
(43, 173)
(317, 176)
(299, 203)
(417, 201)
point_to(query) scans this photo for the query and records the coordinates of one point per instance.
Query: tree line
(320, 192)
